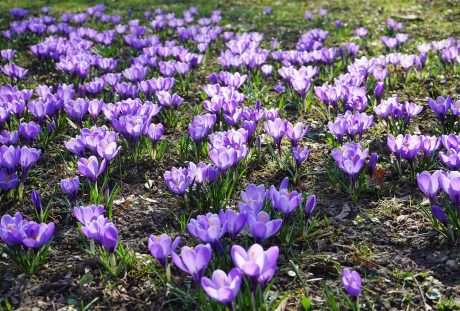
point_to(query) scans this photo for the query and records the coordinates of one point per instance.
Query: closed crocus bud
(372, 163)
(310, 205)
(351, 282)
(106, 193)
(379, 89)
(51, 126)
(439, 214)
(36, 200)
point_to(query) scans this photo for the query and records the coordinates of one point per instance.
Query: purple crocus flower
(87, 214)
(235, 221)
(201, 126)
(70, 186)
(267, 10)
(131, 126)
(202, 173)
(18, 13)
(8, 180)
(338, 128)
(450, 159)
(103, 232)
(193, 261)
(10, 157)
(296, 132)
(451, 185)
(223, 158)
(450, 141)
(285, 201)
(440, 106)
(372, 163)
(350, 159)
(107, 150)
(167, 99)
(36, 200)
(29, 131)
(14, 71)
(90, 167)
(255, 263)
(261, 226)
(439, 214)
(10, 228)
(361, 32)
(208, 228)
(351, 282)
(7, 54)
(253, 199)
(271, 114)
(9, 138)
(94, 108)
(406, 147)
(276, 129)
(36, 235)
(410, 110)
(429, 145)
(178, 180)
(161, 246)
(301, 84)
(154, 131)
(29, 156)
(77, 108)
(379, 89)
(310, 205)
(135, 73)
(223, 287)
(300, 154)
(429, 184)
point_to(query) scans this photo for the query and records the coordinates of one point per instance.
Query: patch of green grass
(363, 250)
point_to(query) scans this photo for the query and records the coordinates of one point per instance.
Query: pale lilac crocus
(91, 168)
(161, 246)
(257, 264)
(351, 282)
(193, 261)
(223, 287)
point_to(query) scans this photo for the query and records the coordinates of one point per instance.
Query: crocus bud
(439, 214)
(379, 89)
(36, 200)
(259, 143)
(213, 78)
(372, 163)
(51, 126)
(106, 193)
(351, 281)
(310, 205)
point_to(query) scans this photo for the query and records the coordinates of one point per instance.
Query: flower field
(229, 155)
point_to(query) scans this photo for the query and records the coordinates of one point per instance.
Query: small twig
(425, 306)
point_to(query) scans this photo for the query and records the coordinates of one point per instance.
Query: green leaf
(306, 303)
(86, 279)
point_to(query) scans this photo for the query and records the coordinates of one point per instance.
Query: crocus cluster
(227, 149)
(397, 115)
(408, 147)
(16, 161)
(179, 180)
(350, 124)
(17, 231)
(446, 110)
(95, 226)
(445, 214)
